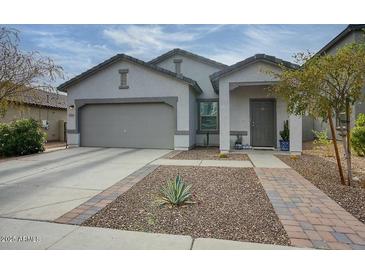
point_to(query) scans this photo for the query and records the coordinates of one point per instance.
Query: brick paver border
(310, 218)
(84, 211)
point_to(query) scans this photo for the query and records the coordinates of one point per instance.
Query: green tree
(325, 86)
(22, 72)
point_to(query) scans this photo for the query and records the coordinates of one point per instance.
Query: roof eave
(214, 78)
(350, 28)
(187, 54)
(119, 57)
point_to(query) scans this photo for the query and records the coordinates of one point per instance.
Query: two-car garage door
(137, 125)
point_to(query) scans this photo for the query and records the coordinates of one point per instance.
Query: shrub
(360, 121)
(321, 138)
(285, 132)
(223, 155)
(358, 135)
(358, 140)
(176, 192)
(21, 137)
(323, 141)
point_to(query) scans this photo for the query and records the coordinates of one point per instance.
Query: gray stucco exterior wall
(143, 83)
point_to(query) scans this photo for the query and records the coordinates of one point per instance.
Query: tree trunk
(344, 141)
(336, 148)
(343, 135)
(348, 133)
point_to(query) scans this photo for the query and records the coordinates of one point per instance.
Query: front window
(208, 118)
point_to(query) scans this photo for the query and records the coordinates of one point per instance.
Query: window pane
(208, 122)
(123, 79)
(208, 115)
(209, 108)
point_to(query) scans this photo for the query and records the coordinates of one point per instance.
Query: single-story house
(177, 101)
(46, 107)
(180, 100)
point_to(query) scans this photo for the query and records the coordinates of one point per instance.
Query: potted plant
(238, 143)
(284, 142)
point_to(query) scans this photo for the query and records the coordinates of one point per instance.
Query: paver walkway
(309, 216)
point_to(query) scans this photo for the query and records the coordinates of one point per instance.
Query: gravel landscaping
(323, 174)
(358, 163)
(210, 153)
(230, 203)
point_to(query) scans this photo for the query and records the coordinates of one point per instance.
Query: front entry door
(263, 126)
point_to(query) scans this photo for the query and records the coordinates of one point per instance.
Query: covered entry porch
(256, 117)
(248, 110)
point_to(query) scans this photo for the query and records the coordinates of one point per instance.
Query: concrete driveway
(46, 186)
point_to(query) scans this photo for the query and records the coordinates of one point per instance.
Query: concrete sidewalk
(46, 235)
(206, 163)
(30, 235)
(265, 159)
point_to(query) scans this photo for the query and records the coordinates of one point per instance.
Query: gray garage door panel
(147, 125)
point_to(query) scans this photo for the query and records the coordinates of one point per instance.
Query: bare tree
(22, 72)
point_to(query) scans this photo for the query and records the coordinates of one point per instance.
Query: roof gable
(350, 28)
(188, 54)
(245, 63)
(121, 57)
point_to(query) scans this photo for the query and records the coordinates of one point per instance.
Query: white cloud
(147, 41)
(279, 41)
(75, 56)
(224, 43)
(77, 47)
(228, 57)
(267, 35)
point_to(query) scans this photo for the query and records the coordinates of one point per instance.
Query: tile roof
(187, 54)
(41, 98)
(350, 28)
(257, 57)
(120, 57)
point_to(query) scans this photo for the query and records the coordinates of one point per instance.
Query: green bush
(358, 135)
(223, 155)
(21, 137)
(360, 121)
(322, 142)
(321, 138)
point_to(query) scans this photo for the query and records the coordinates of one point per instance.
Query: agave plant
(176, 192)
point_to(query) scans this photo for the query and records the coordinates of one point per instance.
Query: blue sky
(79, 47)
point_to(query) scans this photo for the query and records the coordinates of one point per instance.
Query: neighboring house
(48, 108)
(177, 101)
(351, 34)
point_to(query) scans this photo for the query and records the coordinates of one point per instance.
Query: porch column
(224, 118)
(295, 135)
